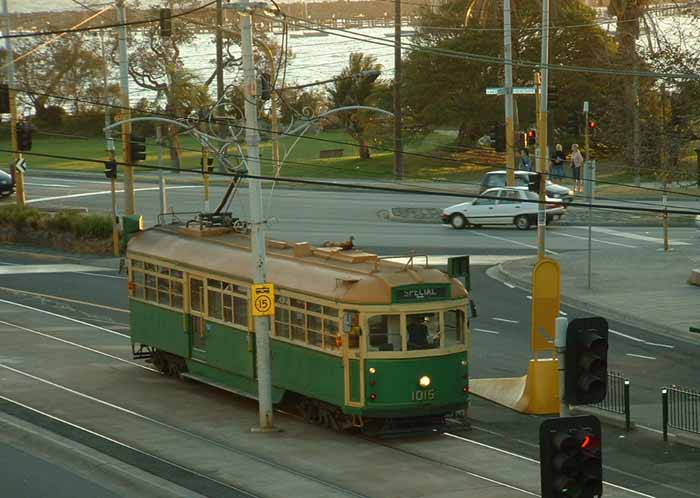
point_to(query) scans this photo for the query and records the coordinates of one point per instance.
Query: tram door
(197, 324)
(353, 361)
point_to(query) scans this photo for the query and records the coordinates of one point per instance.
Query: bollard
(627, 405)
(664, 410)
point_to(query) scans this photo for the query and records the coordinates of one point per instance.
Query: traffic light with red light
(532, 137)
(592, 125)
(586, 361)
(571, 463)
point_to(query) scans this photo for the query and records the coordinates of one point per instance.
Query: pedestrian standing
(524, 163)
(558, 159)
(576, 165)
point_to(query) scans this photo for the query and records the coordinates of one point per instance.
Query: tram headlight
(372, 370)
(424, 381)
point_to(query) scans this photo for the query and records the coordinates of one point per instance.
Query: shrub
(84, 226)
(95, 226)
(64, 221)
(20, 217)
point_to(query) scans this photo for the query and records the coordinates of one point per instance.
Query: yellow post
(542, 166)
(16, 154)
(115, 224)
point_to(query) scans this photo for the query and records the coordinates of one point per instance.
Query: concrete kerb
(652, 327)
(108, 472)
(614, 419)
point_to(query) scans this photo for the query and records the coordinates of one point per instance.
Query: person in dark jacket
(558, 159)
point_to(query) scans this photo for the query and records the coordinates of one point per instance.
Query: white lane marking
(529, 297)
(509, 285)
(104, 276)
(562, 313)
(103, 329)
(493, 481)
(104, 192)
(517, 242)
(67, 268)
(642, 341)
(634, 236)
(528, 459)
(595, 240)
(641, 356)
(75, 344)
(505, 320)
(487, 331)
(47, 185)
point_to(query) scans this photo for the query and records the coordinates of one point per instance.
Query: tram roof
(354, 276)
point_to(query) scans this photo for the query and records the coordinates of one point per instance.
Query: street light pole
(257, 236)
(508, 63)
(542, 132)
(129, 197)
(398, 117)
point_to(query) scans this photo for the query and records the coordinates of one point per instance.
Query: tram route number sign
(263, 299)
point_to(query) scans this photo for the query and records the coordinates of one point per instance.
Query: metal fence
(681, 409)
(617, 399)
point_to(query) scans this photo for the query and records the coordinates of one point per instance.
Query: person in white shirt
(576, 165)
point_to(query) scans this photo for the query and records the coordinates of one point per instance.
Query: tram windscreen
(423, 331)
(454, 327)
(385, 333)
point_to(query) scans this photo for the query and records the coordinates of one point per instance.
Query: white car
(502, 206)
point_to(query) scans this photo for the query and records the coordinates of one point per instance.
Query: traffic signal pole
(508, 63)
(542, 132)
(129, 196)
(16, 155)
(257, 236)
(560, 343)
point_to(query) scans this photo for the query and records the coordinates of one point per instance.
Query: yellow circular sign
(263, 304)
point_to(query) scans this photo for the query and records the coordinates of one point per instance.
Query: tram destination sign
(420, 292)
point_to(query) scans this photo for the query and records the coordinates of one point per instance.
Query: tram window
(176, 288)
(298, 326)
(196, 297)
(330, 311)
(282, 299)
(384, 333)
(214, 284)
(297, 303)
(240, 311)
(215, 308)
(136, 264)
(316, 308)
(176, 274)
(330, 338)
(282, 322)
(150, 267)
(454, 327)
(150, 287)
(228, 308)
(138, 279)
(423, 331)
(164, 291)
(315, 324)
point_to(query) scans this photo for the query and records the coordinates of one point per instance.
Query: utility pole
(588, 188)
(508, 63)
(161, 173)
(398, 117)
(219, 69)
(10, 64)
(542, 132)
(129, 197)
(257, 237)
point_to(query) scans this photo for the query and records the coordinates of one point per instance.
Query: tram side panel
(158, 327)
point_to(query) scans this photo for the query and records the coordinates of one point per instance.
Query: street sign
(21, 165)
(263, 298)
(545, 304)
(518, 90)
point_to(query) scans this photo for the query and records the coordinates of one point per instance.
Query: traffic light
(111, 169)
(571, 463)
(586, 357)
(24, 136)
(592, 126)
(499, 137)
(532, 137)
(138, 148)
(534, 182)
(166, 23)
(210, 161)
(4, 98)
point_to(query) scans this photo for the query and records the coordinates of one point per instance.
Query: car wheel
(522, 222)
(458, 221)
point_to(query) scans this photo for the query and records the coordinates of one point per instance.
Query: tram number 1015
(423, 395)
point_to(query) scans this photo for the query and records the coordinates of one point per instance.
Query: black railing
(617, 399)
(680, 409)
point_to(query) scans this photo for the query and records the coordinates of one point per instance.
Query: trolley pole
(257, 238)
(129, 197)
(18, 176)
(542, 132)
(508, 63)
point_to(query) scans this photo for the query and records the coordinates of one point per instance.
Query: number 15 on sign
(263, 299)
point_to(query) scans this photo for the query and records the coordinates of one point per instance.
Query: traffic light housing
(111, 169)
(499, 137)
(586, 357)
(571, 463)
(210, 161)
(4, 98)
(137, 149)
(534, 182)
(166, 22)
(24, 136)
(532, 137)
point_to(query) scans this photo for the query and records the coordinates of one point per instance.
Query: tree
(351, 89)
(303, 103)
